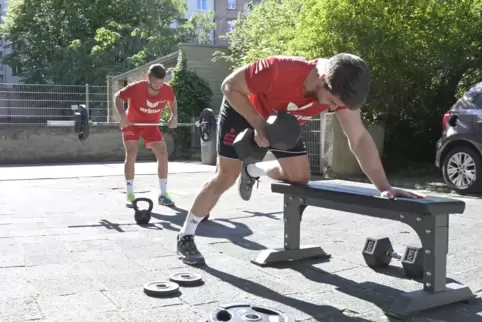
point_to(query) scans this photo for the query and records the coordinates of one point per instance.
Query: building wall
(200, 60)
(6, 73)
(226, 14)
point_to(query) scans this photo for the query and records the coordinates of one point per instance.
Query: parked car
(459, 150)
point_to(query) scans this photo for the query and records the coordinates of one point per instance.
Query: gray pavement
(71, 251)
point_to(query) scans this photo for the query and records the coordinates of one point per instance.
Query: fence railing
(28, 104)
(37, 104)
(313, 135)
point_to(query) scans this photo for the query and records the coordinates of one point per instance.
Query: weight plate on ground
(242, 312)
(161, 288)
(186, 278)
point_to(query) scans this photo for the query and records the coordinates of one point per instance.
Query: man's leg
(130, 145)
(291, 166)
(153, 137)
(227, 171)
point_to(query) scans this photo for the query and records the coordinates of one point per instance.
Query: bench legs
(433, 232)
(434, 236)
(293, 210)
(409, 303)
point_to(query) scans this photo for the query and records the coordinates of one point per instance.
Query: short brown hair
(348, 77)
(157, 71)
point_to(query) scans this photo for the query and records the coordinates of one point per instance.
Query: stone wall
(24, 144)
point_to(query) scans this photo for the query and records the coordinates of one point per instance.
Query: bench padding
(367, 197)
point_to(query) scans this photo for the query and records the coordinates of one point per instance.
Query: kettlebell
(142, 217)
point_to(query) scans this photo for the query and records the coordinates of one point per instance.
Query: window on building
(16, 70)
(231, 4)
(202, 5)
(230, 25)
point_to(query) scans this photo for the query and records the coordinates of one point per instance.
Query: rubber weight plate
(242, 312)
(186, 279)
(161, 288)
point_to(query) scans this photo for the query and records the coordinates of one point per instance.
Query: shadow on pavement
(323, 312)
(382, 295)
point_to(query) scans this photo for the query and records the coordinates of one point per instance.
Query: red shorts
(148, 133)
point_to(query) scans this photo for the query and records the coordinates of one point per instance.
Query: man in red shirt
(146, 99)
(304, 89)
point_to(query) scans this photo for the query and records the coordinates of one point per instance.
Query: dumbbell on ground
(282, 132)
(378, 253)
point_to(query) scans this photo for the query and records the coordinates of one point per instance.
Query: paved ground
(71, 252)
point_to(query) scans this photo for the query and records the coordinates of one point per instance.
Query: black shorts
(231, 123)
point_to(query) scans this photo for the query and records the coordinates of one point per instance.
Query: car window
(474, 91)
(477, 101)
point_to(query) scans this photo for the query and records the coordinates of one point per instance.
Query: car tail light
(445, 121)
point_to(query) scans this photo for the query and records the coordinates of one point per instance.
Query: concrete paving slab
(71, 251)
(65, 171)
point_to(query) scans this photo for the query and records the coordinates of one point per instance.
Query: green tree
(422, 54)
(77, 42)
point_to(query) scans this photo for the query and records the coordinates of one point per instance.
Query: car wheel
(462, 170)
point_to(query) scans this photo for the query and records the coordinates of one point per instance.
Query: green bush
(423, 53)
(193, 94)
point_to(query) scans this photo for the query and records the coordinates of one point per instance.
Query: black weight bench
(428, 217)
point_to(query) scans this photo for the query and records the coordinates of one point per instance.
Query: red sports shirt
(144, 108)
(276, 84)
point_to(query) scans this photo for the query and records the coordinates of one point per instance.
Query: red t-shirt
(276, 84)
(144, 108)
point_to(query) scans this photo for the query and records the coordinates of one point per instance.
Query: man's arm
(123, 95)
(119, 104)
(236, 89)
(173, 107)
(363, 147)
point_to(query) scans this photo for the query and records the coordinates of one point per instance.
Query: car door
(477, 116)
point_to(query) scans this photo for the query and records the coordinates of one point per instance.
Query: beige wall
(337, 156)
(199, 59)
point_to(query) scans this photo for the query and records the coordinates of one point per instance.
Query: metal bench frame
(428, 217)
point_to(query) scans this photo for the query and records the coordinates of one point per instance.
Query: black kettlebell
(143, 216)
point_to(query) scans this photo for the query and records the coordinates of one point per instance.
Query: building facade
(7, 75)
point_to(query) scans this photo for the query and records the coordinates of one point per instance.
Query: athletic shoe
(165, 200)
(130, 199)
(246, 183)
(188, 252)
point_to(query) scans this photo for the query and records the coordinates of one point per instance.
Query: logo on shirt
(152, 107)
(292, 107)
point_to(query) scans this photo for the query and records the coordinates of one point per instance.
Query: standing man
(302, 88)
(146, 99)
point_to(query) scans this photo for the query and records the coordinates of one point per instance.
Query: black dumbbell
(378, 253)
(282, 131)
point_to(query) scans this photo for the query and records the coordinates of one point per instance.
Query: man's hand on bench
(395, 192)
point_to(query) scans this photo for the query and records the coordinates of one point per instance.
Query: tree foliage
(423, 53)
(81, 41)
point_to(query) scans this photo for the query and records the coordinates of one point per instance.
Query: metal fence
(37, 104)
(313, 135)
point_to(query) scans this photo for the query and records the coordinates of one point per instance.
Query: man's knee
(299, 178)
(296, 170)
(159, 149)
(131, 150)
